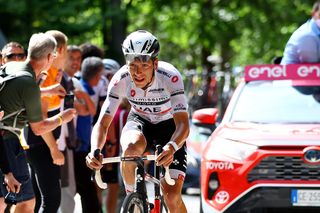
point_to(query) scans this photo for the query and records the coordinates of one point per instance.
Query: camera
(68, 101)
(11, 198)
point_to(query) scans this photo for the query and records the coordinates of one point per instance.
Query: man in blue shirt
(304, 44)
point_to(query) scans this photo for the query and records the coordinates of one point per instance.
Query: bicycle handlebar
(118, 159)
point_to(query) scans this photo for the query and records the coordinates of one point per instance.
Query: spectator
(68, 142)
(43, 154)
(89, 50)
(303, 45)
(13, 51)
(110, 172)
(91, 71)
(24, 95)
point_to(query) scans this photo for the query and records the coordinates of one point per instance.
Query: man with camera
(68, 142)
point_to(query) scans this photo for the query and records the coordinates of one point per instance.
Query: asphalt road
(192, 202)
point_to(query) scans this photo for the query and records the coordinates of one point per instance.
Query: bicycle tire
(133, 203)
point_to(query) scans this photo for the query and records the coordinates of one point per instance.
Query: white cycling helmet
(111, 66)
(140, 45)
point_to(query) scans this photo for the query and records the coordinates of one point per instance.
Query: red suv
(265, 154)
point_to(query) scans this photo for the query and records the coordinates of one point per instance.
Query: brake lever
(96, 175)
(167, 176)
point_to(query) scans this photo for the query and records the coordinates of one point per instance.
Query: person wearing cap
(158, 115)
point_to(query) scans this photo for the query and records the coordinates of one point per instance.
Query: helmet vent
(144, 46)
(131, 45)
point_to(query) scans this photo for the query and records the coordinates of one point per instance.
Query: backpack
(4, 77)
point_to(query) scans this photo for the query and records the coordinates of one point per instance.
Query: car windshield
(277, 102)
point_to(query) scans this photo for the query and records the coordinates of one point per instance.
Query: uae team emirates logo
(133, 93)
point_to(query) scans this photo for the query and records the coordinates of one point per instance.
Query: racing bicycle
(137, 201)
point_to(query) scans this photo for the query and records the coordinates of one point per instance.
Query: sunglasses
(130, 57)
(15, 55)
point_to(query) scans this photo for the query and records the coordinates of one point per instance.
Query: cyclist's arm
(99, 132)
(178, 137)
(181, 120)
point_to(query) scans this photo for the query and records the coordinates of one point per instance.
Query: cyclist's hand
(57, 156)
(166, 156)
(12, 184)
(94, 163)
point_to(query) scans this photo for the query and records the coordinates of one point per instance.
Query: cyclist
(158, 112)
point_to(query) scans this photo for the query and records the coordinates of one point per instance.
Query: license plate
(305, 197)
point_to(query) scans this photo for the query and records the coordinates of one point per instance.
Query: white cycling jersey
(164, 97)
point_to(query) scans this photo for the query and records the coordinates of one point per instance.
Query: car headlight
(231, 149)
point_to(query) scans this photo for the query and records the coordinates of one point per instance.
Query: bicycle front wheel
(134, 203)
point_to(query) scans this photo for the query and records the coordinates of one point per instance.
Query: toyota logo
(312, 155)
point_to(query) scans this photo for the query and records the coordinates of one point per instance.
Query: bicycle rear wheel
(134, 203)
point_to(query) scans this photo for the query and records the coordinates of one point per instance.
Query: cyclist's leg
(172, 194)
(133, 143)
(173, 197)
(2, 204)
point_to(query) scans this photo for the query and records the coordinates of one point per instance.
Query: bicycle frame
(141, 176)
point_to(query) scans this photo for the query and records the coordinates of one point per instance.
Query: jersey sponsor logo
(179, 107)
(174, 79)
(132, 93)
(164, 73)
(148, 109)
(159, 90)
(149, 101)
(220, 165)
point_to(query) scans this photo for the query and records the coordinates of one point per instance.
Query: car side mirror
(206, 117)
